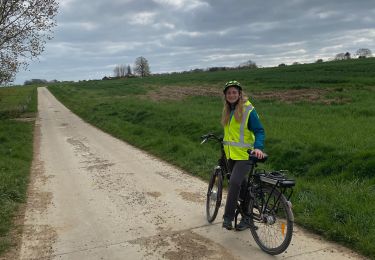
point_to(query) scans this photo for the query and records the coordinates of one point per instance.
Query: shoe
(227, 224)
(244, 224)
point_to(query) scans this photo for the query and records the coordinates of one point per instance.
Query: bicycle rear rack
(276, 179)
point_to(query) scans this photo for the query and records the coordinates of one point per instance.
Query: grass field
(16, 152)
(319, 121)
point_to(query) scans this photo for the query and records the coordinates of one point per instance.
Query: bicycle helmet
(232, 83)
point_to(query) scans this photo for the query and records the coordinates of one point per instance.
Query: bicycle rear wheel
(271, 227)
(214, 193)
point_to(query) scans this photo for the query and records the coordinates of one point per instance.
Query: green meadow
(16, 152)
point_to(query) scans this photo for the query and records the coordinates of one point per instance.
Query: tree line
(141, 68)
(361, 53)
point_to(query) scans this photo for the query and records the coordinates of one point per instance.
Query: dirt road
(95, 197)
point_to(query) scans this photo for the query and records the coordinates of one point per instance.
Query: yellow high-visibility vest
(237, 137)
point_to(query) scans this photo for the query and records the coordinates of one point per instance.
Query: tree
(319, 61)
(248, 64)
(340, 56)
(35, 82)
(25, 26)
(122, 71)
(129, 71)
(363, 53)
(116, 71)
(141, 67)
(119, 71)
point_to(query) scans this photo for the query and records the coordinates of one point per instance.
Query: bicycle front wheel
(272, 221)
(214, 193)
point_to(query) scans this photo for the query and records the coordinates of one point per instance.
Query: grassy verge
(16, 152)
(318, 120)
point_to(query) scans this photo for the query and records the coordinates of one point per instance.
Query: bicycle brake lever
(204, 140)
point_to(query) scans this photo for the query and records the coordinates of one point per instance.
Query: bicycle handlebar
(252, 157)
(206, 137)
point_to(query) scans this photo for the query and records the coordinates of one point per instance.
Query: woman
(242, 131)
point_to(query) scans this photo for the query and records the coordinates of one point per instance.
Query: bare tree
(116, 71)
(122, 71)
(119, 71)
(129, 71)
(248, 64)
(363, 53)
(141, 67)
(25, 26)
(340, 56)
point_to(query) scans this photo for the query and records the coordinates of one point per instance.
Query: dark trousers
(237, 185)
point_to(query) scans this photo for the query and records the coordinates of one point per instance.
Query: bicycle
(267, 201)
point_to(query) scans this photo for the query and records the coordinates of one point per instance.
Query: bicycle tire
(273, 230)
(214, 194)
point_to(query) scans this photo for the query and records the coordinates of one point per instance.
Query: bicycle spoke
(274, 226)
(214, 195)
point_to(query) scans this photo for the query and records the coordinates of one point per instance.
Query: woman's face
(232, 95)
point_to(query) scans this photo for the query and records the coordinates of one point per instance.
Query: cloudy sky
(92, 36)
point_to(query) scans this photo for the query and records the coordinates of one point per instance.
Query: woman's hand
(258, 153)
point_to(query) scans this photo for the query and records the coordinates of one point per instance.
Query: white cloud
(66, 3)
(263, 26)
(89, 26)
(164, 25)
(86, 26)
(229, 57)
(295, 52)
(332, 49)
(143, 18)
(288, 44)
(186, 5)
(327, 14)
(171, 36)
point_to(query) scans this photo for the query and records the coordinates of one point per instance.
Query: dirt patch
(182, 245)
(154, 194)
(39, 240)
(300, 95)
(100, 166)
(136, 198)
(24, 119)
(179, 93)
(165, 175)
(311, 95)
(78, 145)
(39, 201)
(193, 196)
